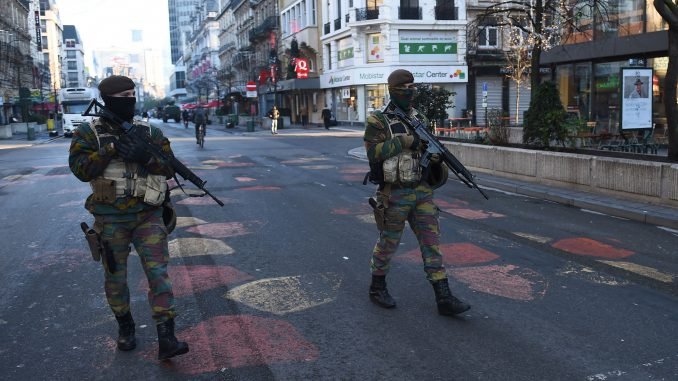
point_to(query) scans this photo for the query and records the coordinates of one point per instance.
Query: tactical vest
(126, 179)
(404, 168)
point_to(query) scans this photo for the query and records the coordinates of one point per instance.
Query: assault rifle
(435, 147)
(179, 167)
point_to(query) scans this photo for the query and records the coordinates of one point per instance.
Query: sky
(107, 23)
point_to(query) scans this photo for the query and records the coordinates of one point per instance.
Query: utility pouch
(379, 212)
(103, 191)
(93, 240)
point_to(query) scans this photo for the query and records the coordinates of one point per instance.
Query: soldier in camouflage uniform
(129, 188)
(394, 150)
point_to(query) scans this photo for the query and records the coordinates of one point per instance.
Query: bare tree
(518, 62)
(668, 9)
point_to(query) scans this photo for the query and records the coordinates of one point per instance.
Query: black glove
(132, 150)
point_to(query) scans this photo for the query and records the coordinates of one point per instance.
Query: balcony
(326, 28)
(362, 14)
(337, 24)
(409, 13)
(446, 12)
(261, 31)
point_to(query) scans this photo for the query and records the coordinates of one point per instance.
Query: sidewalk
(660, 215)
(20, 140)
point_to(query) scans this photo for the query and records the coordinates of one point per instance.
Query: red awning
(188, 106)
(214, 103)
(43, 106)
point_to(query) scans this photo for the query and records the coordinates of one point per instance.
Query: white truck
(74, 101)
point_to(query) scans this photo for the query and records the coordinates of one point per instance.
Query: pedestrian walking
(274, 114)
(130, 205)
(326, 115)
(404, 194)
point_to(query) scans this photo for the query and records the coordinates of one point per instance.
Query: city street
(274, 285)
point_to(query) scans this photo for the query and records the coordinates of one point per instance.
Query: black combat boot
(126, 339)
(447, 304)
(168, 345)
(379, 294)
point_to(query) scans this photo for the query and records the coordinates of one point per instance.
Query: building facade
(74, 60)
(587, 67)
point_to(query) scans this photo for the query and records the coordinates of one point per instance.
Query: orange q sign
(301, 67)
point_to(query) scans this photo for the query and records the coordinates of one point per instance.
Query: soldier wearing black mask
(128, 200)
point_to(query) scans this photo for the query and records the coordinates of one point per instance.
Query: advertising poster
(375, 51)
(345, 53)
(636, 98)
(427, 46)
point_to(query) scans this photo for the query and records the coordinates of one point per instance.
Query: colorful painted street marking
(591, 247)
(588, 274)
(456, 254)
(227, 342)
(533, 237)
(225, 229)
(642, 270)
(192, 247)
(260, 188)
(507, 281)
(183, 222)
(286, 295)
(189, 280)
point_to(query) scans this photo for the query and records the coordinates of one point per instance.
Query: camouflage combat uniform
(127, 220)
(411, 202)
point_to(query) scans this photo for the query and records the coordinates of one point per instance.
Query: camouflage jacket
(379, 144)
(87, 161)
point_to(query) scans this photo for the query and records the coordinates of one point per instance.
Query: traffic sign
(251, 86)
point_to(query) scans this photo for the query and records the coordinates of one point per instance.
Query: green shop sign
(428, 48)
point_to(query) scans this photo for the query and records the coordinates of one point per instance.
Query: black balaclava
(121, 106)
(401, 96)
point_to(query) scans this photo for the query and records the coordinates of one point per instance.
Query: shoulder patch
(376, 120)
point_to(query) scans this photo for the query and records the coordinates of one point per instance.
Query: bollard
(250, 126)
(30, 130)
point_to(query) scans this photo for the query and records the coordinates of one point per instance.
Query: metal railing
(362, 14)
(446, 12)
(409, 13)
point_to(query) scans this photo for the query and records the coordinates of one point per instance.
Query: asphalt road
(273, 286)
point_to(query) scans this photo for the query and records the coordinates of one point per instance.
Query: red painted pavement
(188, 280)
(508, 281)
(591, 247)
(224, 229)
(456, 254)
(238, 341)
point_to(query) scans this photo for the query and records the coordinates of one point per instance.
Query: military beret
(115, 84)
(400, 77)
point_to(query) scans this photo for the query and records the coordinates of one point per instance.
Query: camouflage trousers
(414, 205)
(147, 232)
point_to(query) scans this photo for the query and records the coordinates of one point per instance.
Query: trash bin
(250, 126)
(31, 132)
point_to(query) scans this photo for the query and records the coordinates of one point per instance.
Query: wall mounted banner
(375, 50)
(636, 98)
(427, 46)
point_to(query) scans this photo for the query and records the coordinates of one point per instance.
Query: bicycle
(201, 135)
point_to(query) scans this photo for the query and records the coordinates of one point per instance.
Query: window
(72, 65)
(72, 76)
(70, 43)
(487, 37)
(70, 54)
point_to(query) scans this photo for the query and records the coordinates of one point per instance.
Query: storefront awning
(299, 84)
